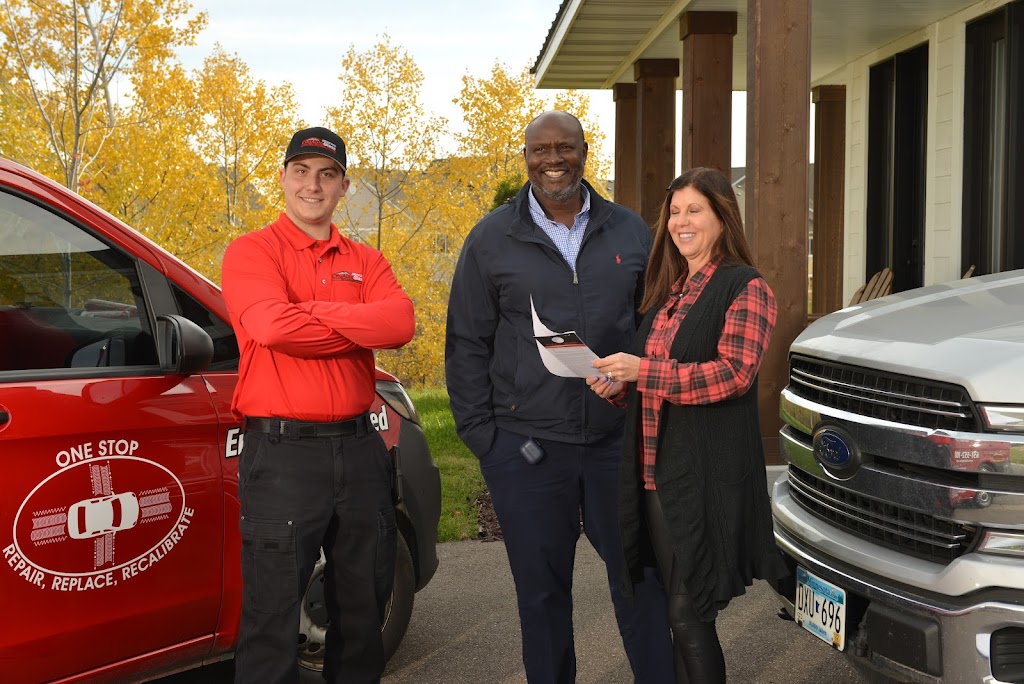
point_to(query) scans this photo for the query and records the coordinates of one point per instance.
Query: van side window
(225, 344)
(67, 300)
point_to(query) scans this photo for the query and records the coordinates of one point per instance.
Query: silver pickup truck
(901, 511)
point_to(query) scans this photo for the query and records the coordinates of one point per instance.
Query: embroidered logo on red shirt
(349, 277)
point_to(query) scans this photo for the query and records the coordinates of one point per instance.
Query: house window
(994, 141)
(897, 139)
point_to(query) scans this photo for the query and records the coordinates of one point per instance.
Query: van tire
(313, 616)
(399, 608)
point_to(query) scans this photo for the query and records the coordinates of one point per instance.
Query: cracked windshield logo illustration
(105, 516)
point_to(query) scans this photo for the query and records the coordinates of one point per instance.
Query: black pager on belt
(531, 451)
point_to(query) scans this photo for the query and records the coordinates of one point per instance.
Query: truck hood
(967, 332)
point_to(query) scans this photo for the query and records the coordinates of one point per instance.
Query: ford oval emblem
(831, 449)
(836, 451)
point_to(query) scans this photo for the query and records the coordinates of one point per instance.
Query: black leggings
(698, 654)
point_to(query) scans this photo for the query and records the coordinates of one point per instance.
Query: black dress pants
(697, 652)
(539, 507)
(298, 494)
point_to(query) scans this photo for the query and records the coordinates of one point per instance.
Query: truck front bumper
(904, 631)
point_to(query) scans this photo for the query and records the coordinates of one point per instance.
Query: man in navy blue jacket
(548, 447)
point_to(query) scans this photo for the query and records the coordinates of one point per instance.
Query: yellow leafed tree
(16, 136)
(91, 93)
(245, 128)
(398, 197)
(149, 175)
(496, 112)
(64, 62)
(416, 206)
(201, 166)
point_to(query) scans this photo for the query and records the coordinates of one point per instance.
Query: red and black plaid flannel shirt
(749, 323)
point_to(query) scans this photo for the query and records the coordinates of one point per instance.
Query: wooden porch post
(778, 113)
(626, 194)
(829, 190)
(655, 131)
(707, 89)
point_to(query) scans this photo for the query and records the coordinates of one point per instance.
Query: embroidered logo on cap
(320, 142)
(349, 277)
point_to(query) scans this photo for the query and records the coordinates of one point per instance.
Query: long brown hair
(666, 264)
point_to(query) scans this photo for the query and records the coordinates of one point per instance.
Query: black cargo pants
(298, 493)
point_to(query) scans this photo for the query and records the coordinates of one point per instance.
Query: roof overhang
(592, 44)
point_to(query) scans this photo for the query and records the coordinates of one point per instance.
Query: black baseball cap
(317, 140)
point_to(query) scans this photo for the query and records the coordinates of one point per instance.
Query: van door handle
(4, 417)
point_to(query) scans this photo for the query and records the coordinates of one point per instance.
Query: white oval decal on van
(97, 522)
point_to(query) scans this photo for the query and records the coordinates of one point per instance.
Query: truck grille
(896, 527)
(886, 396)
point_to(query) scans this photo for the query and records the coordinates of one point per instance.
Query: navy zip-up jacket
(494, 372)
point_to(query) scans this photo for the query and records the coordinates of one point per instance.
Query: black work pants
(697, 651)
(296, 495)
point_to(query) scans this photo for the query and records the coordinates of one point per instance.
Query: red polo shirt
(308, 314)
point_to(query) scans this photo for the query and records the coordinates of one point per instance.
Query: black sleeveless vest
(710, 470)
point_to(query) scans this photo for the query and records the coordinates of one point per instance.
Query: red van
(118, 454)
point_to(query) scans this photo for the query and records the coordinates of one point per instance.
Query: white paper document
(564, 353)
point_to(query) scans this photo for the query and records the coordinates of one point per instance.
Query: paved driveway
(465, 630)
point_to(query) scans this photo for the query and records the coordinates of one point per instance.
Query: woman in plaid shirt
(692, 480)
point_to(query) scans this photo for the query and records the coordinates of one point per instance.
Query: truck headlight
(1007, 418)
(1002, 543)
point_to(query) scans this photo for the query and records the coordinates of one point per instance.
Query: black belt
(302, 428)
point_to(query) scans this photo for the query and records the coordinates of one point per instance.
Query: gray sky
(446, 38)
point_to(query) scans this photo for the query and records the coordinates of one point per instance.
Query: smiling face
(694, 227)
(555, 154)
(313, 185)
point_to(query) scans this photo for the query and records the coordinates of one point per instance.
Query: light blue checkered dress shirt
(567, 240)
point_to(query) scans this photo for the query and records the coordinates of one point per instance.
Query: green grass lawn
(461, 481)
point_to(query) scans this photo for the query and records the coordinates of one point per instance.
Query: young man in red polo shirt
(309, 307)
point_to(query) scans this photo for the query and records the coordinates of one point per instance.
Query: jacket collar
(600, 210)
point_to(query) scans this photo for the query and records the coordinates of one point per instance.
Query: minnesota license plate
(821, 608)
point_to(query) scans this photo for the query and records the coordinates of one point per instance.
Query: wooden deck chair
(969, 272)
(879, 285)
